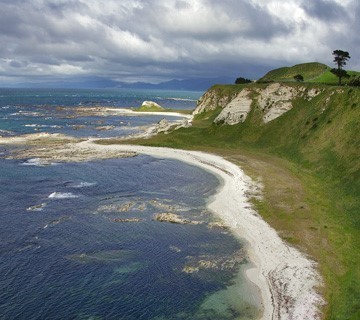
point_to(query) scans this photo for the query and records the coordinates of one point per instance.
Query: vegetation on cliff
(308, 161)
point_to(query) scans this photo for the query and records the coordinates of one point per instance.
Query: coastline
(286, 278)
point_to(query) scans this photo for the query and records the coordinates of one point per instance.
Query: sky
(159, 40)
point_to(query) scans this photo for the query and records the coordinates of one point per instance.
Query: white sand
(286, 278)
(129, 112)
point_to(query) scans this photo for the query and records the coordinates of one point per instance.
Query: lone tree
(340, 58)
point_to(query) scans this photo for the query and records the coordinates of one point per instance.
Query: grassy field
(312, 72)
(309, 162)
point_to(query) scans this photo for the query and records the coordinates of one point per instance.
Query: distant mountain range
(198, 84)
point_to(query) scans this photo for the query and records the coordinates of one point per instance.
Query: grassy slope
(308, 160)
(313, 72)
(309, 71)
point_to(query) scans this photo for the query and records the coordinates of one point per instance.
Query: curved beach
(286, 278)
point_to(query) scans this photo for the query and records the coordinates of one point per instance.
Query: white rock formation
(210, 101)
(237, 110)
(151, 104)
(275, 100)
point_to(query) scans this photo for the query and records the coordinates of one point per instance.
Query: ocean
(82, 240)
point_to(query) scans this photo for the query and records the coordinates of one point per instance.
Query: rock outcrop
(173, 218)
(151, 105)
(276, 99)
(236, 110)
(272, 100)
(211, 100)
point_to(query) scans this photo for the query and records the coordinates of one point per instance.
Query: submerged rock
(127, 220)
(37, 207)
(215, 262)
(102, 256)
(218, 225)
(173, 218)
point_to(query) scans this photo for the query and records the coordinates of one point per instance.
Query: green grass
(309, 71)
(313, 72)
(151, 108)
(308, 160)
(329, 78)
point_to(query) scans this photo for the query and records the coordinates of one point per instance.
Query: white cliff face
(237, 110)
(210, 101)
(273, 100)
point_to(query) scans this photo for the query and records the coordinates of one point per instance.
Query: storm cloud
(157, 40)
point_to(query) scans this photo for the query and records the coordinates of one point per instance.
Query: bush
(299, 78)
(241, 80)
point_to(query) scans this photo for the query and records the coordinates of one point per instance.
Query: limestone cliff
(273, 100)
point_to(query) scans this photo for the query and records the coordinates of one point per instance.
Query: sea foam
(38, 162)
(84, 184)
(62, 195)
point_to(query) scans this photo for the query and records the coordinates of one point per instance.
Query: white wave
(6, 131)
(42, 126)
(62, 195)
(26, 113)
(38, 162)
(84, 184)
(33, 162)
(181, 99)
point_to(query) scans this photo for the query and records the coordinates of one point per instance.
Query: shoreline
(287, 279)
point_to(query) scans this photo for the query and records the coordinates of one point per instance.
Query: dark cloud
(327, 10)
(164, 39)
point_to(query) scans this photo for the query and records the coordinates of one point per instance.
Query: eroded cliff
(272, 100)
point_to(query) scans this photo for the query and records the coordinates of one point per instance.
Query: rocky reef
(173, 218)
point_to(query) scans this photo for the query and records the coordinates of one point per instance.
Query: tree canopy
(340, 58)
(242, 80)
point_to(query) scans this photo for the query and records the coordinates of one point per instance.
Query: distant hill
(197, 84)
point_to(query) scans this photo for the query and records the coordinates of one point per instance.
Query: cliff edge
(273, 100)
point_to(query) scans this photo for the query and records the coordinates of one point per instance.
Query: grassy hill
(313, 72)
(308, 161)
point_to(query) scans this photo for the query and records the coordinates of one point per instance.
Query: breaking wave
(63, 195)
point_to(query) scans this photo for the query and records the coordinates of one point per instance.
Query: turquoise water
(81, 240)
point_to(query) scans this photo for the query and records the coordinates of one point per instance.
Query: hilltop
(313, 72)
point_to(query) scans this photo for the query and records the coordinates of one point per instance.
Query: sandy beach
(287, 279)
